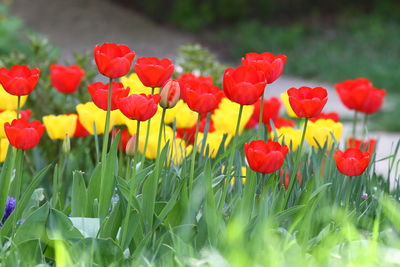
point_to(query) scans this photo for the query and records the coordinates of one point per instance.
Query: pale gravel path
(77, 25)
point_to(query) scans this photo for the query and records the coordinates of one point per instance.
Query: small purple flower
(10, 206)
(364, 196)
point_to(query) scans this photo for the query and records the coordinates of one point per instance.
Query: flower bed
(164, 171)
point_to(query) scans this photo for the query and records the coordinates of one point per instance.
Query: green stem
(96, 142)
(228, 171)
(131, 190)
(365, 123)
(296, 164)
(146, 142)
(18, 106)
(205, 134)
(349, 189)
(160, 132)
(235, 141)
(193, 156)
(137, 139)
(260, 120)
(354, 124)
(103, 207)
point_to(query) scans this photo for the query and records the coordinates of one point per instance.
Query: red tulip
(285, 179)
(187, 78)
(352, 162)
(268, 63)
(19, 80)
(99, 93)
(265, 157)
(326, 116)
(123, 141)
(154, 72)
(189, 133)
(113, 60)
(202, 97)
(270, 112)
(360, 95)
(26, 114)
(65, 79)
(279, 123)
(139, 107)
(244, 85)
(80, 131)
(23, 134)
(307, 102)
(170, 94)
(373, 101)
(367, 145)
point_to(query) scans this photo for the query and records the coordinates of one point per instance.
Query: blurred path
(77, 25)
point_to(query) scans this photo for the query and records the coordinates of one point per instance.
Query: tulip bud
(130, 148)
(170, 94)
(66, 144)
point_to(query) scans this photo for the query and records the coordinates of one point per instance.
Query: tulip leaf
(78, 201)
(60, 227)
(108, 184)
(22, 203)
(93, 191)
(5, 178)
(34, 227)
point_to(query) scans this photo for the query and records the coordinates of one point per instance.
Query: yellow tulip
(179, 150)
(213, 142)
(118, 117)
(61, 126)
(10, 102)
(90, 115)
(6, 116)
(289, 110)
(154, 125)
(151, 151)
(321, 131)
(289, 136)
(136, 86)
(3, 148)
(184, 116)
(226, 116)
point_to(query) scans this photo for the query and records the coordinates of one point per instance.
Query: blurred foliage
(352, 47)
(196, 15)
(11, 32)
(361, 46)
(197, 59)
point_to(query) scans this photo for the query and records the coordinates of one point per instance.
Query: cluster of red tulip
(244, 85)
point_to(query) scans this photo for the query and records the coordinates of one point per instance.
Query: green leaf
(22, 204)
(108, 184)
(5, 177)
(34, 226)
(93, 191)
(60, 227)
(149, 191)
(101, 252)
(111, 225)
(78, 201)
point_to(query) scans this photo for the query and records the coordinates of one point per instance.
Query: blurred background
(325, 41)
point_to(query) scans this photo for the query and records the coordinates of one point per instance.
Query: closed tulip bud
(66, 146)
(130, 148)
(170, 94)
